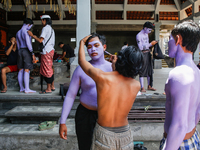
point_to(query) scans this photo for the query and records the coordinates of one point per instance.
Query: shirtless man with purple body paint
(182, 91)
(26, 56)
(143, 44)
(86, 114)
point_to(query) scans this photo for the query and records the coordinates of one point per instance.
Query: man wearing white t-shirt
(47, 37)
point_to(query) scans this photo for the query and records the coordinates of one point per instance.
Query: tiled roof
(139, 15)
(168, 15)
(103, 15)
(189, 11)
(167, 2)
(141, 1)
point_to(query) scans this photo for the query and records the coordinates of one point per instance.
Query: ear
(179, 39)
(104, 47)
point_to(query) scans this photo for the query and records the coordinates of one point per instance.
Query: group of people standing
(21, 57)
(108, 93)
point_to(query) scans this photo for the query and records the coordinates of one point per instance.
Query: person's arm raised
(85, 65)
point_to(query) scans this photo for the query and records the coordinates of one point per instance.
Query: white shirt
(46, 33)
(123, 47)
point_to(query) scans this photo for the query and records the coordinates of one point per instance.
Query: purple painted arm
(71, 95)
(139, 41)
(28, 41)
(179, 94)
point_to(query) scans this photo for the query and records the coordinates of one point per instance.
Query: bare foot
(29, 91)
(4, 90)
(22, 90)
(151, 88)
(142, 90)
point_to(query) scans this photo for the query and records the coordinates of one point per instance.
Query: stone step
(164, 64)
(36, 114)
(33, 114)
(28, 137)
(9, 102)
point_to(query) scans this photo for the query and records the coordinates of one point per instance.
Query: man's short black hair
(60, 43)
(102, 38)
(149, 25)
(28, 21)
(125, 43)
(129, 61)
(190, 32)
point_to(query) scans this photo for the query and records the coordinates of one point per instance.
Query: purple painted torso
(88, 95)
(182, 98)
(23, 39)
(88, 86)
(142, 39)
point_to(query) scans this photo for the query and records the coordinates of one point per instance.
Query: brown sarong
(46, 64)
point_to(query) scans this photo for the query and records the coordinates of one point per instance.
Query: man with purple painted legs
(182, 91)
(143, 44)
(26, 56)
(86, 114)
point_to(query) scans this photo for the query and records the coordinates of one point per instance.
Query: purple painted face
(95, 49)
(172, 47)
(29, 27)
(147, 30)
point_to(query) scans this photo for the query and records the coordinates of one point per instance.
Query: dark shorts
(13, 68)
(24, 59)
(85, 121)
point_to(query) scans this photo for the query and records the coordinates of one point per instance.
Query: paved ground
(160, 76)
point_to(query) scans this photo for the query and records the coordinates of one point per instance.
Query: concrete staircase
(164, 64)
(23, 114)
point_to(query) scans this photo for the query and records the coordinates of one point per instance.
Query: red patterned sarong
(46, 64)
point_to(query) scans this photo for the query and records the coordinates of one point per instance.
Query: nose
(93, 49)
